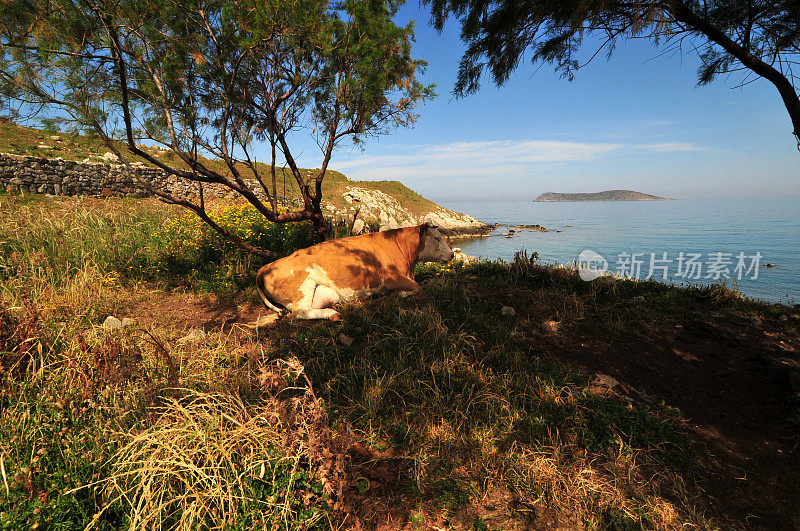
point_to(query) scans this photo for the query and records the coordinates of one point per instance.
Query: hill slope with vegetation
(606, 195)
(386, 204)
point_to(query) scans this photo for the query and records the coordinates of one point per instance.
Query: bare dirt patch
(730, 379)
(189, 311)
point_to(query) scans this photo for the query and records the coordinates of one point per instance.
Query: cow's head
(433, 247)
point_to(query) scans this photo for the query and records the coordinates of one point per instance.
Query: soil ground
(728, 374)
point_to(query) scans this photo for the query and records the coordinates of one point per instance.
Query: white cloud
(669, 147)
(461, 159)
(486, 153)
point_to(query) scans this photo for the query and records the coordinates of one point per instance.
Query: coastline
(705, 227)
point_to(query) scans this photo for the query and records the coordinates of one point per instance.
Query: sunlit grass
(280, 428)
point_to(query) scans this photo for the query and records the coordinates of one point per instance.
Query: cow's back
(349, 264)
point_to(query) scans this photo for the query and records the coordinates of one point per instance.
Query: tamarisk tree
(757, 37)
(215, 82)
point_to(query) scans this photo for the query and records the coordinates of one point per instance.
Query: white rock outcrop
(380, 210)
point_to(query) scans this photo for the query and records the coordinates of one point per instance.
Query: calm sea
(632, 237)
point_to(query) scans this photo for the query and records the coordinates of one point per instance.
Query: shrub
(187, 245)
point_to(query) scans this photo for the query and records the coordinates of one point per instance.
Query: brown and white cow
(309, 282)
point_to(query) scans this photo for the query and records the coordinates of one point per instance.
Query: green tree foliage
(761, 38)
(215, 80)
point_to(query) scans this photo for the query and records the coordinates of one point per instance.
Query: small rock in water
(550, 326)
(604, 380)
(769, 265)
(112, 323)
(195, 336)
(508, 311)
(344, 339)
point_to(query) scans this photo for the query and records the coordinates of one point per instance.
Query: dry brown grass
(212, 460)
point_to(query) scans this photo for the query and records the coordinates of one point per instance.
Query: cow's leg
(317, 313)
(324, 297)
(406, 286)
(321, 305)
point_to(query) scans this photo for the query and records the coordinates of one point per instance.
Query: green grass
(462, 392)
(56, 241)
(454, 403)
(72, 394)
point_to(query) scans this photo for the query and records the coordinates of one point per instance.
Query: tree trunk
(684, 13)
(322, 229)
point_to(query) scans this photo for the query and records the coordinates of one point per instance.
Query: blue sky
(635, 122)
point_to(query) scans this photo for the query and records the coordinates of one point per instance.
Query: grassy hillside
(433, 411)
(22, 140)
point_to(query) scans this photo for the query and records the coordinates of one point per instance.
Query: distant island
(606, 195)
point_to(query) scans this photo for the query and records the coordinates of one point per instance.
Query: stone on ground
(358, 226)
(265, 320)
(344, 339)
(604, 380)
(550, 326)
(195, 336)
(112, 323)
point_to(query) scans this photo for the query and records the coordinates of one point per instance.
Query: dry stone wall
(35, 175)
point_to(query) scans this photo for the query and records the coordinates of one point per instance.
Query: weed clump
(213, 459)
(20, 339)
